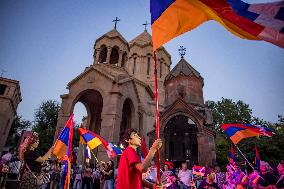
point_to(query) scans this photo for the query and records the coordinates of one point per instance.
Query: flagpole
(95, 156)
(244, 157)
(157, 116)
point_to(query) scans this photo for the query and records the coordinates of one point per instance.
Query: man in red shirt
(130, 167)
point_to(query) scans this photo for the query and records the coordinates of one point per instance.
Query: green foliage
(227, 111)
(45, 123)
(18, 125)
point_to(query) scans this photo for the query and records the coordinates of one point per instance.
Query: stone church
(118, 93)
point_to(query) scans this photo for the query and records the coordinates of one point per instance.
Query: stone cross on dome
(145, 25)
(115, 21)
(182, 51)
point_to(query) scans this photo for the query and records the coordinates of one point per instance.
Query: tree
(45, 123)
(18, 125)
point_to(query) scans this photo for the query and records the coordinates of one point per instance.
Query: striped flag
(88, 154)
(61, 144)
(198, 170)
(66, 160)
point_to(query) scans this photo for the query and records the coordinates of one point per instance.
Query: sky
(46, 44)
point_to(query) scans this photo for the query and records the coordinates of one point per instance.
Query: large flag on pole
(61, 144)
(237, 132)
(171, 18)
(66, 161)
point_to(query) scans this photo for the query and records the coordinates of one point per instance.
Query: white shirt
(185, 176)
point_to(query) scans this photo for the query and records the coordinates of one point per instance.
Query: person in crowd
(208, 182)
(87, 177)
(31, 177)
(14, 167)
(185, 176)
(78, 178)
(173, 182)
(280, 180)
(96, 176)
(267, 176)
(166, 175)
(54, 175)
(115, 175)
(240, 179)
(108, 175)
(220, 177)
(8, 156)
(229, 178)
(130, 167)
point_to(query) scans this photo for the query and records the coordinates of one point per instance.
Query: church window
(2, 89)
(124, 58)
(114, 56)
(134, 65)
(148, 66)
(103, 54)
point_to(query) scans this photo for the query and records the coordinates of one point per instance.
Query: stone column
(120, 58)
(97, 55)
(108, 54)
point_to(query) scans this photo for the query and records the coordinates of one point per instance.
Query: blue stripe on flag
(64, 136)
(241, 8)
(157, 7)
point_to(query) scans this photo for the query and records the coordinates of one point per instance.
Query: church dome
(111, 35)
(142, 40)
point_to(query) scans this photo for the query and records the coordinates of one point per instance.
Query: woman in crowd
(31, 177)
(55, 175)
(108, 175)
(268, 178)
(96, 177)
(280, 180)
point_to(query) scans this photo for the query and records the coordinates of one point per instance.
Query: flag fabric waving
(94, 140)
(232, 156)
(88, 154)
(61, 144)
(171, 18)
(237, 132)
(66, 161)
(198, 170)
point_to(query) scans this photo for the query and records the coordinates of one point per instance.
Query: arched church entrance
(93, 102)
(180, 135)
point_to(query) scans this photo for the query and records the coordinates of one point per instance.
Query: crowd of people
(35, 171)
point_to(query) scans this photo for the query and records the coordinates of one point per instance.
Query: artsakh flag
(61, 144)
(198, 170)
(171, 18)
(94, 140)
(237, 132)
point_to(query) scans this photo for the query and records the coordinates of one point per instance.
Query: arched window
(124, 59)
(103, 54)
(134, 65)
(148, 65)
(114, 56)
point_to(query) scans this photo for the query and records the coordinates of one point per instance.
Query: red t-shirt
(128, 176)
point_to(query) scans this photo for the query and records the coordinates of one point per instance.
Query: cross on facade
(115, 21)
(182, 51)
(145, 24)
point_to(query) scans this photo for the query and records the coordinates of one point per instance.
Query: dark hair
(126, 136)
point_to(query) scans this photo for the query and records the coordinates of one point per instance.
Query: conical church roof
(182, 68)
(143, 39)
(113, 34)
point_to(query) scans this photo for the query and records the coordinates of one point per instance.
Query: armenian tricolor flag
(66, 161)
(198, 170)
(257, 159)
(237, 132)
(94, 140)
(232, 156)
(61, 144)
(171, 18)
